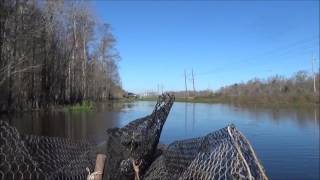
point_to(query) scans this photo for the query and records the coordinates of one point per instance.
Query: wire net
(138, 140)
(38, 157)
(224, 154)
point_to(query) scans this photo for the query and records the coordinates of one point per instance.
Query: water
(285, 140)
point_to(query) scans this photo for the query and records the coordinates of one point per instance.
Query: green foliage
(81, 107)
(296, 90)
(128, 99)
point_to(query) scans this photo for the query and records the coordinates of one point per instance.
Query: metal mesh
(138, 140)
(37, 157)
(224, 154)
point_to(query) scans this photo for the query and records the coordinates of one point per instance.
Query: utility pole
(314, 75)
(194, 90)
(162, 88)
(185, 83)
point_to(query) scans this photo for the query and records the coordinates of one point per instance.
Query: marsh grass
(85, 106)
(267, 101)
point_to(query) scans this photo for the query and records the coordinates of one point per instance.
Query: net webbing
(38, 157)
(224, 154)
(138, 140)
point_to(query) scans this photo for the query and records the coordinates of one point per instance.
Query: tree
(45, 56)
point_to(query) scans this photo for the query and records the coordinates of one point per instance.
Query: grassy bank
(87, 106)
(80, 107)
(300, 101)
(126, 100)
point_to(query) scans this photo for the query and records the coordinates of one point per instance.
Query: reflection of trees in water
(301, 116)
(193, 115)
(113, 106)
(186, 116)
(39, 122)
(316, 118)
(73, 125)
(89, 125)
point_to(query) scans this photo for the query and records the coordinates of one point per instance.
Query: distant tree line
(54, 52)
(299, 88)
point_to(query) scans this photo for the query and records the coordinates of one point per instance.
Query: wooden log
(99, 166)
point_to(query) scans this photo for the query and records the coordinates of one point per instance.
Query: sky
(223, 42)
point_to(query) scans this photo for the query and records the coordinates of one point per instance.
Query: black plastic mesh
(138, 140)
(224, 154)
(37, 157)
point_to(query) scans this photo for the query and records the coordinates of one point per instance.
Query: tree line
(301, 87)
(54, 53)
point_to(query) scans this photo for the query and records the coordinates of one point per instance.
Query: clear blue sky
(224, 42)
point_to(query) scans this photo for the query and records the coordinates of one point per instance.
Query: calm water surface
(286, 140)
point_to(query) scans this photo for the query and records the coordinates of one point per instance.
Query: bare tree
(45, 58)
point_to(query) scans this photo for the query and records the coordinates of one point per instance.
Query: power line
(313, 74)
(248, 61)
(185, 82)
(266, 54)
(288, 50)
(219, 77)
(194, 90)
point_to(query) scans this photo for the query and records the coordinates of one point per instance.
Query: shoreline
(84, 106)
(243, 102)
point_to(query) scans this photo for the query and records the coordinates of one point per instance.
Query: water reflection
(301, 116)
(74, 125)
(193, 115)
(185, 117)
(285, 139)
